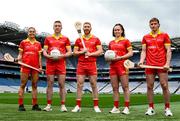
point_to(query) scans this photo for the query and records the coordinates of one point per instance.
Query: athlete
(87, 64)
(29, 53)
(56, 66)
(118, 73)
(156, 50)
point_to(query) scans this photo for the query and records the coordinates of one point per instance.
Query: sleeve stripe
(98, 46)
(129, 48)
(76, 47)
(20, 49)
(168, 44)
(45, 47)
(68, 46)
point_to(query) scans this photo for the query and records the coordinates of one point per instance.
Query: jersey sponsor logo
(160, 40)
(152, 47)
(93, 43)
(148, 40)
(30, 53)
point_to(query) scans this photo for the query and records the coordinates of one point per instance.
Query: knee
(150, 87)
(61, 86)
(93, 85)
(50, 84)
(34, 85)
(79, 84)
(125, 88)
(22, 86)
(164, 86)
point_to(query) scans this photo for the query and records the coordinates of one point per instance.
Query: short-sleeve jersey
(60, 43)
(30, 52)
(155, 48)
(91, 44)
(120, 47)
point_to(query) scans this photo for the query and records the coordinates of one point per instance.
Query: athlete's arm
(69, 51)
(45, 53)
(98, 52)
(168, 56)
(143, 54)
(77, 52)
(19, 57)
(40, 61)
(126, 56)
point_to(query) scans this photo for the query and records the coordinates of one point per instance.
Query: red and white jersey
(60, 43)
(155, 48)
(30, 52)
(92, 43)
(120, 47)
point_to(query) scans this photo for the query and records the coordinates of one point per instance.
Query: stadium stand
(11, 35)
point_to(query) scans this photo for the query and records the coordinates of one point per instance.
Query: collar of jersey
(119, 39)
(31, 41)
(57, 37)
(87, 38)
(159, 32)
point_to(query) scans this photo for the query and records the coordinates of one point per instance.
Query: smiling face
(118, 31)
(87, 28)
(57, 27)
(31, 32)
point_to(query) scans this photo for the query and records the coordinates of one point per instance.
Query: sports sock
(167, 105)
(20, 101)
(95, 102)
(49, 102)
(116, 104)
(151, 105)
(126, 104)
(78, 102)
(34, 101)
(62, 102)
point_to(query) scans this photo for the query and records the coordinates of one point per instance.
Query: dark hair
(123, 33)
(87, 23)
(58, 21)
(31, 28)
(154, 19)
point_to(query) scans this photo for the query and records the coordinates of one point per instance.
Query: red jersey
(30, 52)
(155, 48)
(91, 44)
(60, 43)
(120, 47)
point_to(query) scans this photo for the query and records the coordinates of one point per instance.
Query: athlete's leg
(125, 86)
(62, 90)
(150, 78)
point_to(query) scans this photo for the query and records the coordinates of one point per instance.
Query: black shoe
(36, 107)
(21, 108)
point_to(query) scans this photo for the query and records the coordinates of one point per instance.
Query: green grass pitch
(9, 106)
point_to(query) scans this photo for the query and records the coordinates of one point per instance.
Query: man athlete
(156, 49)
(87, 65)
(56, 66)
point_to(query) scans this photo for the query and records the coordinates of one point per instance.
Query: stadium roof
(10, 32)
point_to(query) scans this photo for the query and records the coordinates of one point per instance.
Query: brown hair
(31, 28)
(123, 33)
(87, 23)
(154, 19)
(57, 21)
